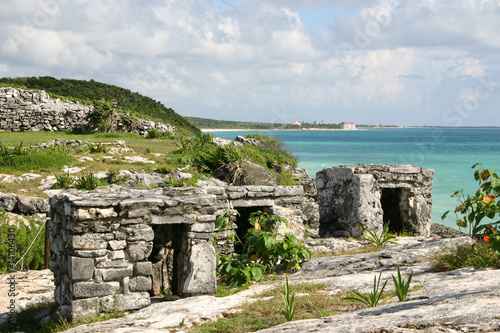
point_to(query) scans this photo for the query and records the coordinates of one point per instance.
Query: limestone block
(112, 264)
(206, 218)
(172, 219)
(83, 308)
(253, 203)
(140, 283)
(91, 253)
(31, 205)
(91, 241)
(7, 202)
(201, 278)
(116, 255)
(138, 203)
(117, 244)
(138, 232)
(144, 268)
(80, 268)
(82, 214)
(113, 274)
(202, 227)
(92, 289)
(138, 213)
(139, 251)
(132, 301)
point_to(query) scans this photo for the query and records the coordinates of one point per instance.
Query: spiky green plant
(371, 299)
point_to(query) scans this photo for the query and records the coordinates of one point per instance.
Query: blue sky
(425, 62)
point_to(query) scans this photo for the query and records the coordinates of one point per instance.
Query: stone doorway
(167, 244)
(242, 222)
(390, 200)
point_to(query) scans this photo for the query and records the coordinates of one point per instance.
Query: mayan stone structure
(116, 247)
(34, 110)
(370, 195)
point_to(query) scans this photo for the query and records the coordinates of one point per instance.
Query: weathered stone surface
(8, 202)
(80, 268)
(132, 301)
(143, 268)
(139, 251)
(370, 195)
(91, 241)
(92, 289)
(31, 205)
(139, 232)
(201, 279)
(140, 283)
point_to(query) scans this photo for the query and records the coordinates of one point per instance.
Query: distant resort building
(347, 125)
(297, 123)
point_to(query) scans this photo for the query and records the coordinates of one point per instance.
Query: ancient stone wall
(370, 195)
(115, 247)
(34, 110)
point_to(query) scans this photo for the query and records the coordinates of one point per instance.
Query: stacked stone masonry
(371, 195)
(114, 248)
(33, 110)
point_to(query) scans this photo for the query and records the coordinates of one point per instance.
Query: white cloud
(390, 61)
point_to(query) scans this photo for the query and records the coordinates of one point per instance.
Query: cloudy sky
(420, 62)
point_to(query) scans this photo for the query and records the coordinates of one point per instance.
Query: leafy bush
(24, 236)
(473, 209)
(263, 249)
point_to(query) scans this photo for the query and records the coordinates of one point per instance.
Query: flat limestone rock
(465, 300)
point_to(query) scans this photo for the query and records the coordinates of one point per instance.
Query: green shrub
(96, 148)
(471, 210)
(24, 236)
(64, 180)
(88, 182)
(263, 249)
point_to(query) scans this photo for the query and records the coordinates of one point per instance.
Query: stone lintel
(253, 203)
(172, 219)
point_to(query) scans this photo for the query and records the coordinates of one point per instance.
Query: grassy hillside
(88, 91)
(228, 124)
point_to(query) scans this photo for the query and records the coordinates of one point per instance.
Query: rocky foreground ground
(465, 300)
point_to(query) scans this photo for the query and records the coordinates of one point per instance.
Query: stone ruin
(116, 247)
(33, 110)
(371, 195)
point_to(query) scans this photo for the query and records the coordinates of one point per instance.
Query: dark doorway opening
(391, 198)
(167, 244)
(243, 224)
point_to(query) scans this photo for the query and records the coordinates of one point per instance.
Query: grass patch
(480, 255)
(312, 302)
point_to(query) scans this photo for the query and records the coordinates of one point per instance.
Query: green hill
(86, 92)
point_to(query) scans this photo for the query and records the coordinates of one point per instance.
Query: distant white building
(347, 125)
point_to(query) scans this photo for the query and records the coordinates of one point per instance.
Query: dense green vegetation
(228, 124)
(24, 236)
(87, 92)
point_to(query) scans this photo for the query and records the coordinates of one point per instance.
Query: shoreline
(274, 129)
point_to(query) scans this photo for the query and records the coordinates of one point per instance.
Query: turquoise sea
(451, 152)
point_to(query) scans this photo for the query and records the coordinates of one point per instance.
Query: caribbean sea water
(451, 152)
